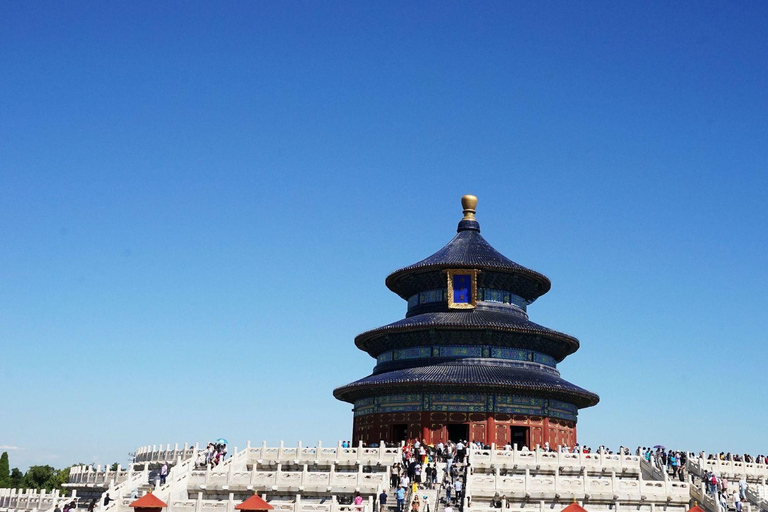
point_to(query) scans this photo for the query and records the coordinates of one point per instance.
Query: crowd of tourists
(671, 462)
(760, 459)
(725, 492)
(213, 455)
(418, 471)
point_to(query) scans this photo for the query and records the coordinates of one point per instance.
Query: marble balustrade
(31, 499)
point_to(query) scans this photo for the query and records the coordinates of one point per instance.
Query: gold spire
(469, 202)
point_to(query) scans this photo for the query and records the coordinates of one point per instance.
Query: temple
(466, 363)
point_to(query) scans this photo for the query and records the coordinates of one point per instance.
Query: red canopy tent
(148, 503)
(575, 507)
(254, 503)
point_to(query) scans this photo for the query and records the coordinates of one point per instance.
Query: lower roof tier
(478, 378)
(467, 327)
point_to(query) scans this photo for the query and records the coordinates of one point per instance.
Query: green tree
(62, 477)
(16, 478)
(5, 471)
(40, 477)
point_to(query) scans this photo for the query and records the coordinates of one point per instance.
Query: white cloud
(7, 447)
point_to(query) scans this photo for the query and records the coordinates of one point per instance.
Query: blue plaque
(462, 289)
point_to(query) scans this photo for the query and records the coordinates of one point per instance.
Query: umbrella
(659, 446)
(221, 440)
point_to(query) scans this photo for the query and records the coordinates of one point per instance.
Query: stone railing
(652, 470)
(282, 453)
(175, 487)
(483, 458)
(88, 476)
(757, 494)
(31, 499)
(279, 480)
(704, 499)
(302, 455)
(729, 469)
(296, 505)
(155, 453)
(611, 488)
(134, 480)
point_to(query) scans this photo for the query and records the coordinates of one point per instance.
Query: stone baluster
(359, 476)
(527, 481)
(199, 502)
(318, 449)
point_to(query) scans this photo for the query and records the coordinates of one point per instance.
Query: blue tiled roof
(447, 376)
(469, 249)
(469, 319)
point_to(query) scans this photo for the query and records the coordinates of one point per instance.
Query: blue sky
(199, 203)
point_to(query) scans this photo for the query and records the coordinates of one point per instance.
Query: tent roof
(149, 500)
(575, 507)
(254, 503)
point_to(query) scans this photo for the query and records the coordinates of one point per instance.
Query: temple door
(502, 435)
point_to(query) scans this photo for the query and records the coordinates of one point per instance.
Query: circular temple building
(465, 362)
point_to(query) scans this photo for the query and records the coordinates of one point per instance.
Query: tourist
(461, 451)
(457, 486)
(163, 473)
(415, 504)
(448, 508)
(723, 502)
(383, 501)
(57, 509)
(92, 505)
(107, 500)
(358, 501)
(400, 498)
(394, 478)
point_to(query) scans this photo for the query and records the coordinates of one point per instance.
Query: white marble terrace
(312, 478)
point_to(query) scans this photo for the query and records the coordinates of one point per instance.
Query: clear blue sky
(199, 203)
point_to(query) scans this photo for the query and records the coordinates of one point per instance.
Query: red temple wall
(488, 428)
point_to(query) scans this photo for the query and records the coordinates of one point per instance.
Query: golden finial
(469, 202)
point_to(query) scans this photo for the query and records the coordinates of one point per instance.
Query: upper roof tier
(469, 249)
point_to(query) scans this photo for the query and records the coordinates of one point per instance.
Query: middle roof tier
(489, 327)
